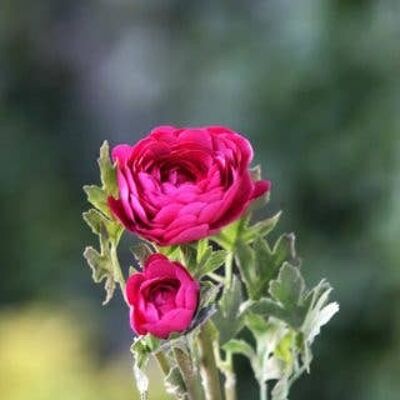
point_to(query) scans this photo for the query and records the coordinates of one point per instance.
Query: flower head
(182, 184)
(163, 298)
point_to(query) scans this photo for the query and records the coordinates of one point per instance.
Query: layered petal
(179, 185)
(163, 298)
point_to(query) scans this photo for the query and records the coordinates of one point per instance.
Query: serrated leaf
(261, 229)
(141, 349)
(258, 264)
(203, 251)
(229, 236)
(237, 346)
(101, 225)
(228, 319)
(101, 270)
(284, 250)
(267, 308)
(172, 252)
(188, 257)
(286, 303)
(107, 170)
(142, 252)
(215, 260)
(97, 197)
(319, 312)
(208, 293)
(141, 354)
(289, 287)
(246, 261)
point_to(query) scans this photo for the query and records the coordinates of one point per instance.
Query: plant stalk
(208, 367)
(263, 391)
(189, 376)
(163, 362)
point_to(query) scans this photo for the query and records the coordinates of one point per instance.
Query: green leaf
(266, 307)
(229, 320)
(215, 260)
(237, 346)
(208, 293)
(229, 236)
(101, 225)
(141, 349)
(246, 261)
(101, 270)
(203, 251)
(97, 197)
(261, 229)
(319, 312)
(289, 287)
(141, 353)
(284, 250)
(142, 252)
(104, 264)
(172, 252)
(258, 264)
(188, 257)
(107, 171)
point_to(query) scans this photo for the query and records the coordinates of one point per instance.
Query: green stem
(263, 390)
(230, 379)
(226, 367)
(189, 377)
(208, 367)
(163, 362)
(228, 269)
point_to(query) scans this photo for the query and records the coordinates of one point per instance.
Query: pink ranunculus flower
(179, 185)
(163, 298)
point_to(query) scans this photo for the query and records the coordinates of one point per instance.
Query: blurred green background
(314, 84)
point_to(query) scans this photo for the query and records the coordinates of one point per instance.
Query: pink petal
(188, 235)
(199, 136)
(192, 208)
(261, 187)
(132, 287)
(121, 153)
(183, 221)
(167, 214)
(137, 322)
(177, 320)
(159, 266)
(188, 295)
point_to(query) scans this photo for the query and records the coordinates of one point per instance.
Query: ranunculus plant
(203, 272)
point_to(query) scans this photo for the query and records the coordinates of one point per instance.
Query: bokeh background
(313, 83)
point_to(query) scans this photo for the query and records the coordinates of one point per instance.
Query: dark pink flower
(163, 298)
(181, 185)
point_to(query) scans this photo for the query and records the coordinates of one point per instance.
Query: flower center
(163, 296)
(177, 175)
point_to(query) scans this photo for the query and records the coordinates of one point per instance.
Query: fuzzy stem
(230, 379)
(263, 390)
(228, 270)
(163, 362)
(189, 377)
(226, 367)
(208, 368)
